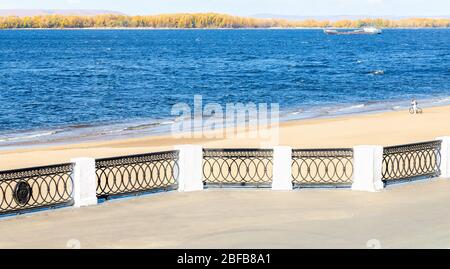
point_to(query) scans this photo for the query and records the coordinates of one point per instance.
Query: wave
(443, 100)
(376, 72)
(167, 122)
(141, 126)
(28, 136)
(108, 132)
(148, 125)
(352, 107)
(80, 126)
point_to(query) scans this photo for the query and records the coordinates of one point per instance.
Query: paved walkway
(412, 216)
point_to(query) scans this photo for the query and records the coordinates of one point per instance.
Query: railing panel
(34, 188)
(237, 166)
(137, 173)
(412, 161)
(322, 167)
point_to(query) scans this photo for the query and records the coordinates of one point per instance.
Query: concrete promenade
(414, 215)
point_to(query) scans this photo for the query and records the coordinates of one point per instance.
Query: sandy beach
(389, 128)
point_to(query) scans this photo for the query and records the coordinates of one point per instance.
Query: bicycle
(419, 110)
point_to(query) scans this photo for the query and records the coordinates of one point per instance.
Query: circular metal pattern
(52, 185)
(22, 193)
(35, 187)
(237, 166)
(412, 160)
(322, 166)
(137, 173)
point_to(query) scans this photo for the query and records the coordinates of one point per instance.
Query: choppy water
(85, 84)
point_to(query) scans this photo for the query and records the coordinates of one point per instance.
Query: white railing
(187, 163)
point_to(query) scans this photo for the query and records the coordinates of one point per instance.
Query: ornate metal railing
(237, 167)
(137, 173)
(35, 188)
(411, 161)
(311, 167)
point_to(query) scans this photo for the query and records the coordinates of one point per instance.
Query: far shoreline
(242, 28)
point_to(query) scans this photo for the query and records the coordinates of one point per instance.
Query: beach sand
(389, 128)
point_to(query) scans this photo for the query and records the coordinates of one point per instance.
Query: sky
(247, 7)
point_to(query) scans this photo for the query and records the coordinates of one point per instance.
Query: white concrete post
(367, 168)
(190, 166)
(445, 156)
(282, 168)
(84, 181)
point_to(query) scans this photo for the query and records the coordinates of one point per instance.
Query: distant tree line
(202, 20)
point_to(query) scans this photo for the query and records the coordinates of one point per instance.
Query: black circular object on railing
(22, 193)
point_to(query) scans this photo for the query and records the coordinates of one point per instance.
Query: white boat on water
(369, 30)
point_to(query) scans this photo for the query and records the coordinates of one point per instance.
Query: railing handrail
(340, 152)
(413, 144)
(136, 155)
(235, 153)
(237, 149)
(32, 169)
(323, 149)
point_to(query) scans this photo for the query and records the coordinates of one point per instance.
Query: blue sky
(247, 7)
